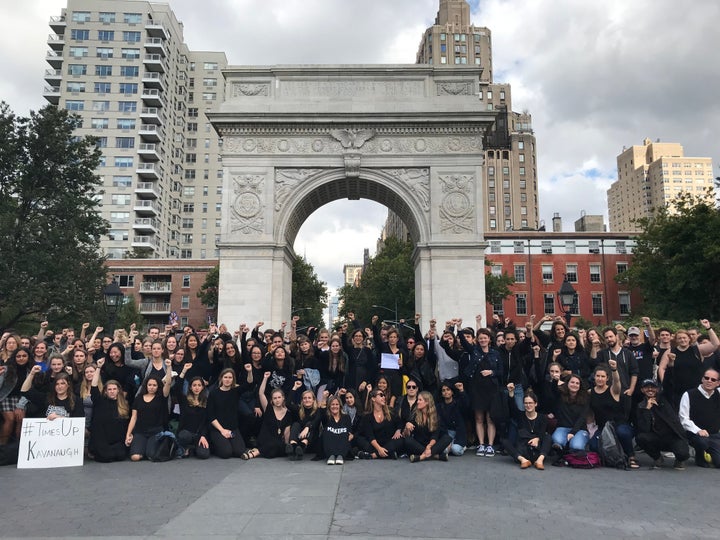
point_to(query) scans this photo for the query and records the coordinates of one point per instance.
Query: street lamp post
(395, 312)
(113, 298)
(567, 298)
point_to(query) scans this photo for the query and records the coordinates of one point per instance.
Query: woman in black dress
(111, 414)
(192, 433)
(381, 436)
(424, 438)
(336, 433)
(222, 412)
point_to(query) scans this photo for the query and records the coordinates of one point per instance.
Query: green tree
(389, 278)
(497, 288)
(309, 294)
(140, 253)
(676, 261)
(128, 314)
(50, 227)
(208, 293)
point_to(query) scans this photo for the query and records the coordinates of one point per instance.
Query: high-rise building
(649, 177)
(510, 168)
(123, 67)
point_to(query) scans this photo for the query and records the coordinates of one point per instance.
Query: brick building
(539, 261)
(161, 287)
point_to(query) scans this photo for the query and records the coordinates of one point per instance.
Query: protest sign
(47, 443)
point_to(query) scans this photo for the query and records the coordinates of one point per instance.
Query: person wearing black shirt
(700, 416)
(149, 415)
(222, 413)
(659, 428)
(336, 433)
(380, 430)
(424, 436)
(192, 431)
(111, 414)
(533, 442)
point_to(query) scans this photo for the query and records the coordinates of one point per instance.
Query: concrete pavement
(469, 497)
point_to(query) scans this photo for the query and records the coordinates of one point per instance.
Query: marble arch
(297, 137)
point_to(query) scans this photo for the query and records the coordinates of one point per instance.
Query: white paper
(47, 443)
(389, 361)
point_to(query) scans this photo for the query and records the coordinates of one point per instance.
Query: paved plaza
(469, 497)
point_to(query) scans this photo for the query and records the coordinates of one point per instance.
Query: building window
(186, 253)
(621, 267)
(118, 235)
(519, 273)
(518, 246)
(521, 145)
(130, 54)
(128, 88)
(74, 105)
(624, 299)
(548, 303)
(126, 123)
(129, 71)
(210, 66)
(546, 247)
(187, 223)
(77, 69)
(570, 247)
(79, 35)
(99, 123)
(81, 16)
(103, 70)
(571, 273)
(506, 171)
(496, 270)
(106, 17)
(209, 96)
(124, 142)
(521, 304)
(186, 281)
(594, 246)
(127, 106)
(132, 18)
(122, 181)
(79, 52)
(493, 224)
(597, 303)
(494, 246)
(106, 35)
(125, 280)
(76, 87)
(119, 217)
(102, 87)
(594, 273)
(123, 161)
(132, 37)
(120, 200)
(621, 247)
(547, 273)
(188, 208)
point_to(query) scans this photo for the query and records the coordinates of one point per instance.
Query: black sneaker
(443, 456)
(299, 452)
(364, 455)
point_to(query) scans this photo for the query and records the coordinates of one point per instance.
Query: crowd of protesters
(373, 392)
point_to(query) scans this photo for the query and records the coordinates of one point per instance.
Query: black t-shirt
(151, 415)
(644, 355)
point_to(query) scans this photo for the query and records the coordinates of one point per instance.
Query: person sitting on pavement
(533, 442)
(424, 437)
(571, 411)
(659, 428)
(700, 416)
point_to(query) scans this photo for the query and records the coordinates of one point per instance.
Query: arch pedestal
(295, 138)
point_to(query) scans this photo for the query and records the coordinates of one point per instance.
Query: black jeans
(653, 444)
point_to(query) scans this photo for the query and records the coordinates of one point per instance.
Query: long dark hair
(581, 398)
(52, 395)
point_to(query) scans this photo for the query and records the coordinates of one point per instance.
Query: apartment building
(510, 168)
(650, 176)
(124, 68)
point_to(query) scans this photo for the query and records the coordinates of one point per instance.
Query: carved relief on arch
(417, 181)
(246, 209)
(457, 211)
(287, 180)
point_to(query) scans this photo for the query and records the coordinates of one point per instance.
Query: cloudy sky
(596, 76)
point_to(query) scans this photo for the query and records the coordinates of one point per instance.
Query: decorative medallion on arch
(298, 137)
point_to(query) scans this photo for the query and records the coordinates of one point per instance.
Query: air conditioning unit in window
(547, 281)
(595, 250)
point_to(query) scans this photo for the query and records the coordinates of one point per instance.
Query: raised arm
(708, 347)
(167, 380)
(261, 391)
(616, 387)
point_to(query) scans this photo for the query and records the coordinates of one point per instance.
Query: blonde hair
(427, 418)
(85, 385)
(301, 413)
(122, 405)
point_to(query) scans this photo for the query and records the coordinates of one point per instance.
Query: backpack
(167, 447)
(610, 450)
(582, 460)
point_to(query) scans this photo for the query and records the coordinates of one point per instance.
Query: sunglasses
(411, 386)
(380, 394)
(711, 379)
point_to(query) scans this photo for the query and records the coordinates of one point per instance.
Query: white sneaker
(339, 460)
(331, 460)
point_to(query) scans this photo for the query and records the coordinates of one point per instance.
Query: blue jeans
(455, 448)
(578, 442)
(519, 397)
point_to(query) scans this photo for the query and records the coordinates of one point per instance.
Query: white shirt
(684, 413)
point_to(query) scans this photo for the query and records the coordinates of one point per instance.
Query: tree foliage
(677, 260)
(497, 288)
(50, 227)
(208, 293)
(128, 314)
(388, 279)
(309, 294)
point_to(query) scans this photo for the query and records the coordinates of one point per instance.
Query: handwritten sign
(46, 443)
(389, 361)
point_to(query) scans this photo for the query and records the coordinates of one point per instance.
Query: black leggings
(412, 446)
(106, 452)
(522, 448)
(226, 448)
(191, 441)
(392, 445)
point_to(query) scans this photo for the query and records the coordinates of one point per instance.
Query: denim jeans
(455, 449)
(578, 442)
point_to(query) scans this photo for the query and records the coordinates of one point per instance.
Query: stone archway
(297, 137)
